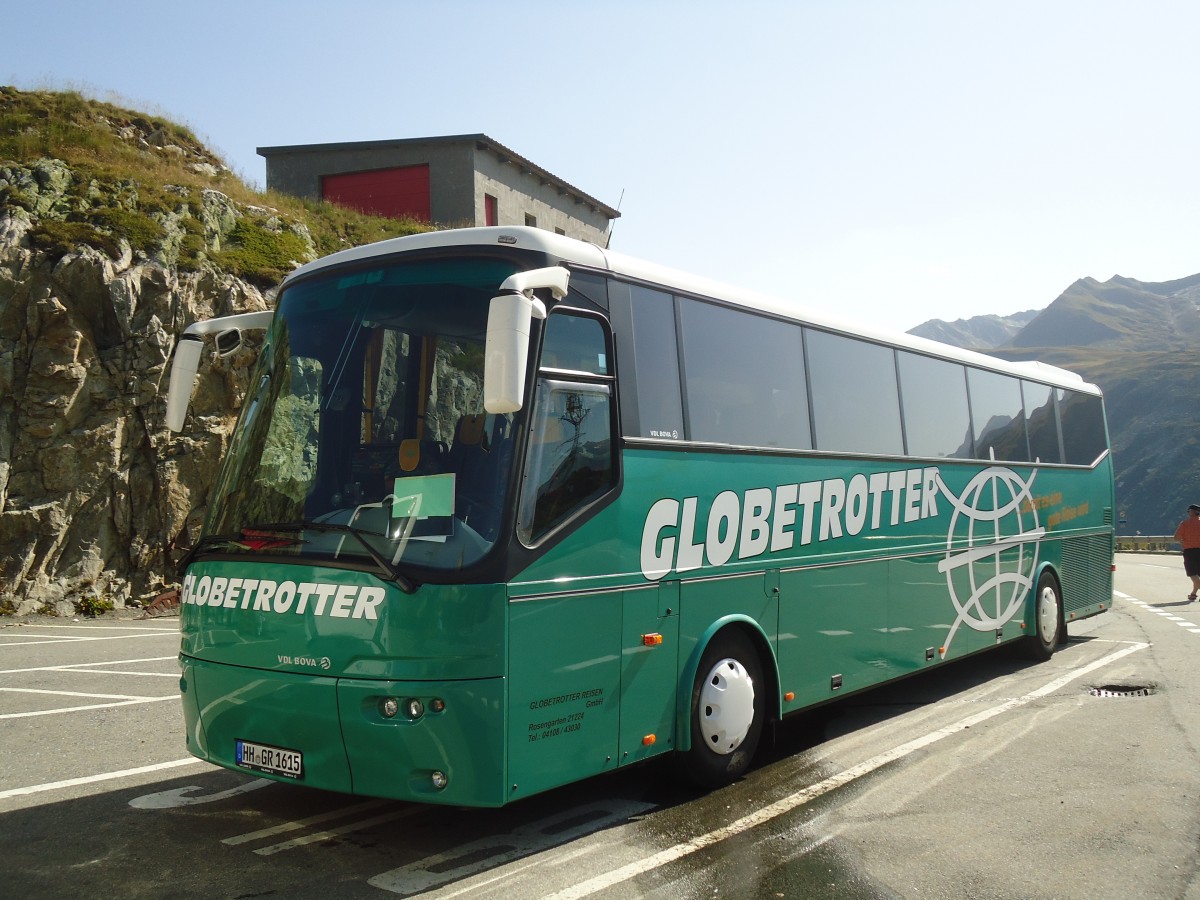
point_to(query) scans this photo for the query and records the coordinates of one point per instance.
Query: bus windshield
(363, 437)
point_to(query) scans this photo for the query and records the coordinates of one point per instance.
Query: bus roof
(587, 254)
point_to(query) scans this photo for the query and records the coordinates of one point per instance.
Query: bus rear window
(1084, 437)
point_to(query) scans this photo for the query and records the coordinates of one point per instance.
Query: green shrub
(260, 255)
(11, 196)
(93, 606)
(57, 238)
(142, 232)
(192, 249)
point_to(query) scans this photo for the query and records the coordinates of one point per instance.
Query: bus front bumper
(424, 741)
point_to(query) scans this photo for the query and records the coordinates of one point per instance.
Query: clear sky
(890, 160)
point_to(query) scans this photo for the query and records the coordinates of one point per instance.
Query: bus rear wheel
(728, 703)
(1047, 619)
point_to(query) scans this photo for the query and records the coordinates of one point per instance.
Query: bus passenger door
(565, 649)
(649, 671)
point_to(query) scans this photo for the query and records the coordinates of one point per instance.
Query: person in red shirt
(1188, 535)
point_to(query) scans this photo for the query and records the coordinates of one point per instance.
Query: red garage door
(397, 193)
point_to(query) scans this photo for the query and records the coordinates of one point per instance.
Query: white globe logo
(991, 549)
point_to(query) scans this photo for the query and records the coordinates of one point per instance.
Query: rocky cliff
(96, 496)
(117, 231)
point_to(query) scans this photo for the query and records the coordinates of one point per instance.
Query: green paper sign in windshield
(423, 496)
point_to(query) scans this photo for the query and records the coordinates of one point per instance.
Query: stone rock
(97, 498)
(219, 216)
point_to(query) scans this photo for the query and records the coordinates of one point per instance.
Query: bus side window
(744, 377)
(651, 389)
(576, 344)
(937, 418)
(855, 395)
(1045, 442)
(998, 413)
(570, 461)
(1083, 430)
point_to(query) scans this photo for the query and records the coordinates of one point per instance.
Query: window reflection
(656, 361)
(937, 420)
(744, 378)
(570, 460)
(1044, 444)
(575, 343)
(1083, 432)
(998, 416)
(856, 407)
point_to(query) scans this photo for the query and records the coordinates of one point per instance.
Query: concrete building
(454, 181)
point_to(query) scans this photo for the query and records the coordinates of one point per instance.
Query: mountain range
(1135, 340)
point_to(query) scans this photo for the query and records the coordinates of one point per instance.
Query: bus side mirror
(183, 376)
(228, 342)
(189, 350)
(510, 317)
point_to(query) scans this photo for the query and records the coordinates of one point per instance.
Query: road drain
(1121, 690)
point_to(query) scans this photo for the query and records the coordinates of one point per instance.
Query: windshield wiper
(262, 537)
(394, 574)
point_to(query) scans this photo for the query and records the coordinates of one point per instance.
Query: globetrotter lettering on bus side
(676, 537)
(341, 601)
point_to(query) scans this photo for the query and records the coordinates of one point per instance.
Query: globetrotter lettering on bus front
(991, 541)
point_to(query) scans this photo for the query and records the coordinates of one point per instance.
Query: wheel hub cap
(726, 706)
(1048, 614)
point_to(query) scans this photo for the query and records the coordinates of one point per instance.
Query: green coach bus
(504, 510)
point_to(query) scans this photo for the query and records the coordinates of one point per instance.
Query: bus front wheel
(728, 703)
(1047, 618)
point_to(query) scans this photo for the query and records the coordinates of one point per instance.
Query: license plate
(272, 760)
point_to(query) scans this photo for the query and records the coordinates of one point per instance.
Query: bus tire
(1047, 619)
(727, 711)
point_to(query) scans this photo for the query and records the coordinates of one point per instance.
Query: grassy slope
(133, 172)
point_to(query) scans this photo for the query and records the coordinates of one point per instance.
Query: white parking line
(88, 666)
(68, 709)
(502, 855)
(121, 672)
(800, 798)
(66, 639)
(337, 832)
(1165, 613)
(300, 824)
(92, 779)
(75, 694)
(106, 628)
